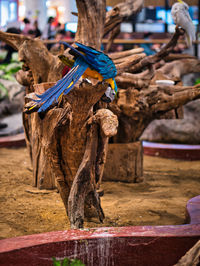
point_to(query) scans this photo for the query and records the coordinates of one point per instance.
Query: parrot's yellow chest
(92, 74)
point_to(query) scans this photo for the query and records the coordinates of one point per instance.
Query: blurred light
(13, 11)
(4, 13)
(51, 12)
(61, 9)
(21, 9)
(48, 3)
(108, 8)
(147, 27)
(71, 26)
(126, 27)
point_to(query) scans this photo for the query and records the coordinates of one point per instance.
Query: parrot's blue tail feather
(56, 87)
(62, 86)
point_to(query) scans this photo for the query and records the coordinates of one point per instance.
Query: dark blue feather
(73, 49)
(96, 60)
(62, 86)
(59, 84)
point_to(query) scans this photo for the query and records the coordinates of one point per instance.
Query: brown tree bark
(91, 18)
(117, 15)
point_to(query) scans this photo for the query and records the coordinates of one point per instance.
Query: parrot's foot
(109, 95)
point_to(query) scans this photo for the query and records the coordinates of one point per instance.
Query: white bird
(182, 19)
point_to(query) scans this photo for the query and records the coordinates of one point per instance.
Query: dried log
(118, 14)
(85, 180)
(177, 68)
(127, 79)
(172, 57)
(91, 21)
(127, 58)
(128, 64)
(112, 35)
(152, 59)
(170, 98)
(118, 168)
(14, 40)
(136, 109)
(126, 53)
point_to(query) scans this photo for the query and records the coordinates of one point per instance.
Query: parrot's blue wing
(73, 49)
(99, 61)
(87, 49)
(62, 86)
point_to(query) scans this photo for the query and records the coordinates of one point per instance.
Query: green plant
(3, 92)
(67, 262)
(197, 81)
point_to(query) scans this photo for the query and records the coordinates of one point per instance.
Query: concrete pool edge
(125, 244)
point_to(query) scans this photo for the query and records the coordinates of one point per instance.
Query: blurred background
(34, 17)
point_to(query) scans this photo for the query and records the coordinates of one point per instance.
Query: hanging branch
(152, 59)
(117, 15)
(120, 12)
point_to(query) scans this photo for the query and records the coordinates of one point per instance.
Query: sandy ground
(160, 200)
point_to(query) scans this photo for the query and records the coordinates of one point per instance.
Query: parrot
(182, 18)
(87, 62)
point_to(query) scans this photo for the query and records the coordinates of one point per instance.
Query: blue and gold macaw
(88, 62)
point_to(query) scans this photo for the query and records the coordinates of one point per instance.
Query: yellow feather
(32, 107)
(65, 60)
(70, 84)
(60, 98)
(111, 82)
(93, 74)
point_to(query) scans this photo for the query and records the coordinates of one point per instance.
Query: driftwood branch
(152, 59)
(178, 68)
(90, 170)
(117, 15)
(14, 40)
(91, 19)
(136, 109)
(118, 55)
(120, 12)
(128, 79)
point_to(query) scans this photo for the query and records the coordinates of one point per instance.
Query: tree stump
(124, 162)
